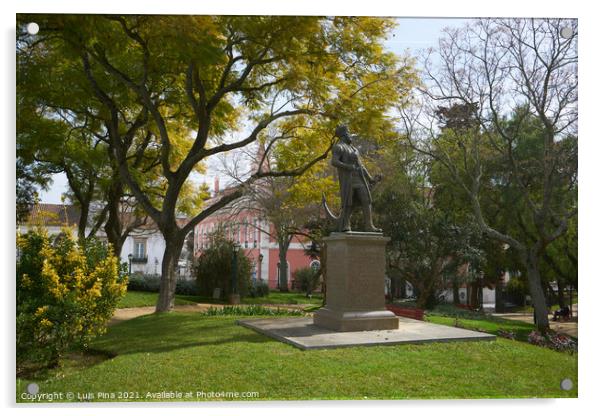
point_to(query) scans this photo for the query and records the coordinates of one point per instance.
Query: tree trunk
(422, 300)
(83, 222)
(499, 297)
(456, 291)
(426, 298)
(537, 295)
(167, 288)
(561, 288)
(113, 226)
(474, 294)
(283, 265)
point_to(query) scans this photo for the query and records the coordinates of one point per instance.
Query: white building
(145, 244)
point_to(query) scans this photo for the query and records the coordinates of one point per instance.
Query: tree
(59, 129)
(206, 74)
(273, 201)
(214, 268)
(518, 78)
(430, 247)
(26, 194)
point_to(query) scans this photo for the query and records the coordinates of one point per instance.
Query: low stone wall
(407, 312)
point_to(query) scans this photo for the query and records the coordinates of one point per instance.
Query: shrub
(144, 283)
(187, 287)
(259, 289)
(151, 282)
(307, 279)
(65, 295)
(214, 268)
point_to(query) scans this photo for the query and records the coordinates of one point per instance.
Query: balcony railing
(140, 260)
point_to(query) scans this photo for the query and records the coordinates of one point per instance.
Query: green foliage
(149, 81)
(428, 247)
(26, 194)
(517, 285)
(511, 192)
(152, 283)
(215, 265)
(307, 279)
(65, 295)
(251, 311)
(259, 289)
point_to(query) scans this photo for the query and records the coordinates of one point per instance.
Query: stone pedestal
(355, 284)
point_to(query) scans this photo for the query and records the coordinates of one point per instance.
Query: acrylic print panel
(182, 164)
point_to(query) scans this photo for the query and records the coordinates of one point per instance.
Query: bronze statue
(354, 183)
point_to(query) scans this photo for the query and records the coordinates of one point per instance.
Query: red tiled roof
(49, 215)
(54, 215)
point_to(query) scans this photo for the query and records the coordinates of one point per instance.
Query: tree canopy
(172, 91)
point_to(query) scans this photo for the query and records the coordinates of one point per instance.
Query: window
(255, 232)
(139, 249)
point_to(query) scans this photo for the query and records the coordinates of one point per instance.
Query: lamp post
(259, 274)
(234, 297)
(130, 257)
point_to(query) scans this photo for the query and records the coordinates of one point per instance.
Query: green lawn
(492, 326)
(139, 299)
(452, 316)
(133, 299)
(279, 298)
(188, 353)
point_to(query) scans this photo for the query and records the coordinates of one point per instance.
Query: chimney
(216, 186)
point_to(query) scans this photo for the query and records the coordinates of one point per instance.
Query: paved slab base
(302, 333)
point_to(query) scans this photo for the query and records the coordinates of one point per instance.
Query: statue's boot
(368, 225)
(345, 220)
(372, 229)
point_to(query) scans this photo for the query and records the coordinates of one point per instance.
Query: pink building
(255, 235)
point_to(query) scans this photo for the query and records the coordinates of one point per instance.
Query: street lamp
(234, 295)
(130, 257)
(260, 260)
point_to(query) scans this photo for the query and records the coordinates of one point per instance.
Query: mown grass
(492, 326)
(452, 316)
(188, 352)
(283, 298)
(135, 299)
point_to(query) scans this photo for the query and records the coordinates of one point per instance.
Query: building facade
(255, 235)
(144, 246)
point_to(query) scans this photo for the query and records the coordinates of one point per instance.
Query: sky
(410, 36)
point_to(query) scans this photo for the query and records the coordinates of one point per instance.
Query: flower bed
(558, 342)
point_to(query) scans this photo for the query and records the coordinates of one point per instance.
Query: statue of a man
(354, 182)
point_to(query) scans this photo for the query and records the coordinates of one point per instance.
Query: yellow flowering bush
(66, 293)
